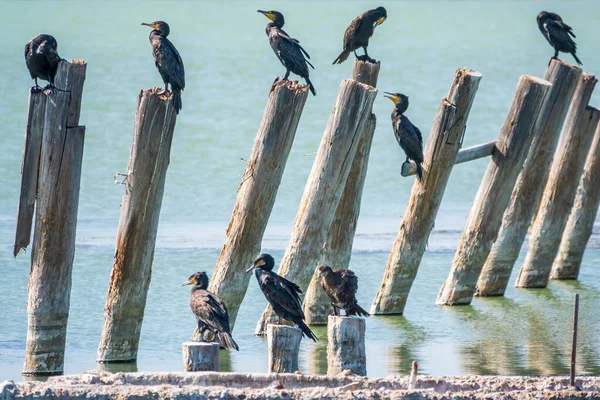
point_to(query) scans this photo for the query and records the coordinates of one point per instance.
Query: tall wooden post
(526, 194)
(257, 193)
(55, 223)
(138, 223)
(559, 193)
(30, 169)
(495, 190)
(440, 153)
(346, 345)
(338, 245)
(325, 185)
(581, 219)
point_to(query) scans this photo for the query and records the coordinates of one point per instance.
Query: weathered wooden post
(325, 185)
(338, 245)
(283, 344)
(346, 345)
(530, 183)
(138, 223)
(442, 147)
(559, 193)
(581, 219)
(30, 169)
(257, 193)
(200, 356)
(574, 342)
(495, 190)
(55, 223)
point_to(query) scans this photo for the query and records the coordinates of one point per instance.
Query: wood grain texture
(346, 345)
(283, 343)
(199, 356)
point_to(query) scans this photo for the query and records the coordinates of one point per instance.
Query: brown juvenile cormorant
(41, 58)
(287, 49)
(358, 33)
(167, 60)
(210, 311)
(280, 293)
(341, 286)
(408, 136)
(557, 33)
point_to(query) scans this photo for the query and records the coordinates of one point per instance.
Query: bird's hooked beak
(190, 281)
(267, 14)
(391, 96)
(258, 263)
(152, 25)
(379, 21)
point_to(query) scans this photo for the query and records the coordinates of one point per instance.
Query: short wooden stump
(283, 343)
(346, 345)
(200, 356)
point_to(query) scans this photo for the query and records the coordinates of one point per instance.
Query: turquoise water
(229, 69)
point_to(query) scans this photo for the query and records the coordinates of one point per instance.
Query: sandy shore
(103, 385)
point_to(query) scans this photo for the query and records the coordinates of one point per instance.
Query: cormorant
(280, 293)
(167, 60)
(358, 33)
(210, 311)
(287, 49)
(41, 58)
(557, 33)
(341, 286)
(408, 136)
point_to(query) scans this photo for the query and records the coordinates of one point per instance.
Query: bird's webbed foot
(36, 89)
(49, 89)
(361, 58)
(163, 92)
(552, 58)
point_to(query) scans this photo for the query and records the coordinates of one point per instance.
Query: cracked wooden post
(440, 153)
(200, 356)
(581, 219)
(55, 223)
(140, 211)
(338, 245)
(30, 169)
(325, 185)
(257, 193)
(559, 193)
(346, 345)
(494, 192)
(283, 343)
(530, 183)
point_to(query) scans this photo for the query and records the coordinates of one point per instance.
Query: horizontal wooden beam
(465, 155)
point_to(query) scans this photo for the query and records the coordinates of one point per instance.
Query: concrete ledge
(214, 385)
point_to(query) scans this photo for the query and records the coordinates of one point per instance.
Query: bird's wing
(49, 48)
(27, 47)
(351, 30)
(295, 43)
(167, 57)
(409, 137)
(349, 279)
(557, 32)
(290, 53)
(210, 310)
(282, 292)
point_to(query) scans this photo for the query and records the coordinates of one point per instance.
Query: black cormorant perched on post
(408, 136)
(557, 33)
(167, 60)
(41, 58)
(358, 33)
(341, 286)
(210, 311)
(287, 49)
(280, 293)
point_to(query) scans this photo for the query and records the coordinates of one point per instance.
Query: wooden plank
(495, 190)
(30, 169)
(419, 218)
(325, 185)
(257, 193)
(140, 212)
(559, 193)
(530, 183)
(337, 248)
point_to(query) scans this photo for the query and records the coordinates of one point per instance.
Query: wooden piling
(581, 219)
(34, 128)
(283, 344)
(559, 193)
(440, 153)
(530, 183)
(325, 185)
(200, 356)
(138, 223)
(55, 222)
(346, 345)
(337, 248)
(257, 193)
(495, 190)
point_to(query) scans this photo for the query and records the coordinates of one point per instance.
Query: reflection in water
(117, 367)
(34, 378)
(225, 360)
(407, 341)
(317, 353)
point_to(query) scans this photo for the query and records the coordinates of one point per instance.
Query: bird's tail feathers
(311, 87)
(177, 100)
(306, 330)
(227, 341)
(358, 311)
(419, 171)
(342, 57)
(576, 58)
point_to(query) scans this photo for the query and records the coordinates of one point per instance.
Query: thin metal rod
(574, 342)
